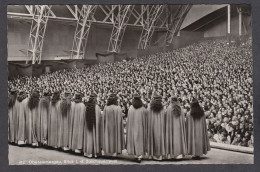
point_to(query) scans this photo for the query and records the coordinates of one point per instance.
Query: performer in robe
(42, 122)
(113, 140)
(65, 106)
(31, 118)
(12, 116)
(156, 129)
(137, 128)
(197, 135)
(53, 121)
(92, 128)
(22, 108)
(77, 124)
(175, 133)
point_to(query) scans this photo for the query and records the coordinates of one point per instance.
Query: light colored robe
(175, 134)
(197, 136)
(22, 108)
(156, 133)
(12, 122)
(136, 131)
(42, 121)
(76, 128)
(53, 124)
(31, 119)
(113, 140)
(93, 139)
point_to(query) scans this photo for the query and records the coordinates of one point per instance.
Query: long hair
(176, 109)
(11, 100)
(112, 100)
(137, 103)
(21, 96)
(196, 110)
(55, 98)
(156, 105)
(65, 106)
(91, 113)
(34, 100)
(45, 102)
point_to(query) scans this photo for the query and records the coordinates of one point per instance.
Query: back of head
(112, 100)
(137, 102)
(55, 97)
(196, 110)
(156, 103)
(90, 111)
(176, 109)
(34, 99)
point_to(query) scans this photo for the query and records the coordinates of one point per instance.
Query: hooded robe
(76, 128)
(42, 121)
(93, 139)
(197, 136)
(175, 132)
(63, 133)
(113, 139)
(22, 109)
(12, 122)
(53, 124)
(136, 131)
(156, 133)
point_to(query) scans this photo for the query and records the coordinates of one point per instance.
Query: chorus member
(197, 135)
(137, 128)
(31, 118)
(156, 129)
(42, 123)
(53, 120)
(12, 116)
(175, 133)
(63, 133)
(113, 140)
(92, 128)
(76, 127)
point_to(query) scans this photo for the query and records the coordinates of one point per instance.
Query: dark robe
(22, 108)
(113, 140)
(63, 140)
(93, 138)
(136, 131)
(42, 121)
(197, 136)
(156, 133)
(53, 124)
(175, 133)
(77, 118)
(12, 122)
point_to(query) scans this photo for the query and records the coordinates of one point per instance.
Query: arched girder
(149, 18)
(120, 20)
(82, 30)
(41, 14)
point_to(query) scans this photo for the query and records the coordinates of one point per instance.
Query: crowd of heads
(216, 72)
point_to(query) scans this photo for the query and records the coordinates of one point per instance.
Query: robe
(42, 120)
(156, 133)
(63, 133)
(113, 138)
(31, 118)
(76, 128)
(197, 136)
(53, 124)
(136, 129)
(12, 122)
(93, 139)
(22, 108)
(175, 134)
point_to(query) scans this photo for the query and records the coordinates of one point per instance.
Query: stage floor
(39, 156)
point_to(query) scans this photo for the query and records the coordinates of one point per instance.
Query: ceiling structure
(149, 18)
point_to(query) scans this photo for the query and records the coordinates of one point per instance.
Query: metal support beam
(40, 18)
(120, 20)
(228, 18)
(82, 30)
(176, 22)
(152, 13)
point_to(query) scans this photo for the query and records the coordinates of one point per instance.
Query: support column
(239, 21)
(228, 18)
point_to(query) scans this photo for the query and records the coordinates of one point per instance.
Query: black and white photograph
(130, 84)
